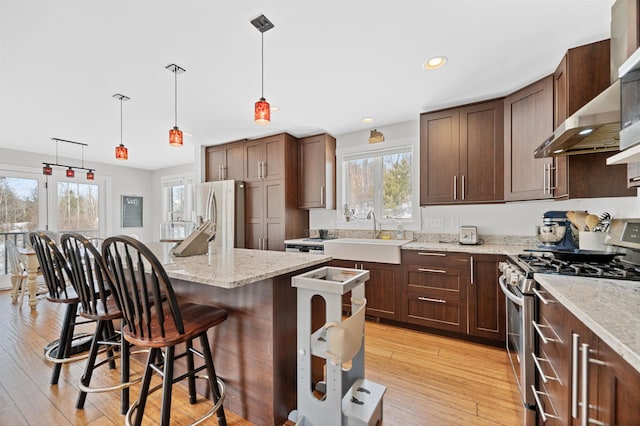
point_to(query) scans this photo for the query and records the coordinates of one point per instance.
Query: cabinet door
(485, 299)
(253, 160)
(619, 389)
(528, 121)
(317, 172)
(253, 205)
(481, 152)
(273, 210)
(216, 161)
(235, 161)
(439, 157)
(273, 157)
(382, 290)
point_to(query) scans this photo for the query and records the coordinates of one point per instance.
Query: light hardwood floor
(431, 380)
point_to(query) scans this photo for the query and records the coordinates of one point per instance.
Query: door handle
(462, 192)
(435, 271)
(472, 271)
(455, 187)
(428, 299)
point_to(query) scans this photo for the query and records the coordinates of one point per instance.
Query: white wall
(121, 181)
(514, 218)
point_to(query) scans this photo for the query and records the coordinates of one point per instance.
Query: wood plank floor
(431, 380)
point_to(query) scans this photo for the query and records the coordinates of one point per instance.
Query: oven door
(519, 311)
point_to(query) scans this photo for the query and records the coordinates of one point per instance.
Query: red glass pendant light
(70, 173)
(122, 153)
(175, 134)
(47, 170)
(262, 109)
(90, 175)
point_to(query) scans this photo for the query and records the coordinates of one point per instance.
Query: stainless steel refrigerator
(221, 202)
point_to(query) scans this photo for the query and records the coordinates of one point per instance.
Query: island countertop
(608, 307)
(231, 268)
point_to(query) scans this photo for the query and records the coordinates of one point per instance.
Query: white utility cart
(345, 397)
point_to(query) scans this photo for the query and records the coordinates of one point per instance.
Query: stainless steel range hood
(593, 128)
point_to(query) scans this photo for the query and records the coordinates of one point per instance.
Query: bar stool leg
(213, 379)
(125, 352)
(144, 389)
(192, 376)
(91, 361)
(167, 386)
(64, 343)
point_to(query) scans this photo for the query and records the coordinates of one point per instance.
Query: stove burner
(546, 263)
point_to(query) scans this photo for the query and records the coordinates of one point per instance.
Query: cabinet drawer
(436, 280)
(437, 311)
(434, 258)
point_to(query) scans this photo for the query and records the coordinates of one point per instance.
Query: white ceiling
(327, 65)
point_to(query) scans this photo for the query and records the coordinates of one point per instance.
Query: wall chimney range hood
(593, 128)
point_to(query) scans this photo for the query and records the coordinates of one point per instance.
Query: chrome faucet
(372, 215)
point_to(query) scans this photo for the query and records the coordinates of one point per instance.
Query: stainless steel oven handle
(515, 299)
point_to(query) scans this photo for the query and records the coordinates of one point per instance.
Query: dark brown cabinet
(271, 192)
(454, 292)
(225, 162)
(317, 168)
(461, 154)
(528, 120)
(382, 290)
(612, 385)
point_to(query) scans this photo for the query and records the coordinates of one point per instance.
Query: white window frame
(379, 149)
(172, 180)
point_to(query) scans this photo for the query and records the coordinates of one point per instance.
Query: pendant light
(262, 110)
(122, 153)
(70, 172)
(175, 134)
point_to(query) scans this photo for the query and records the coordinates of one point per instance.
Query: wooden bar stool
(97, 302)
(154, 320)
(57, 276)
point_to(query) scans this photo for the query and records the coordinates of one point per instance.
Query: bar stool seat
(160, 323)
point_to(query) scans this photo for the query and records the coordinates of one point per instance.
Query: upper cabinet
(461, 154)
(317, 172)
(528, 120)
(265, 158)
(225, 162)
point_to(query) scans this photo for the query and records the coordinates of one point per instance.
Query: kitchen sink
(365, 249)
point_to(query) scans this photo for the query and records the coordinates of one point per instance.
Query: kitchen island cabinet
(461, 154)
(592, 320)
(254, 349)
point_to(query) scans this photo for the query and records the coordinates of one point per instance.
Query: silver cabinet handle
(541, 297)
(462, 192)
(544, 179)
(322, 195)
(264, 169)
(544, 415)
(472, 271)
(551, 180)
(455, 187)
(584, 386)
(219, 171)
(265, 244)
(260, 169)
(426, 253)
(436, 271)
(545, 339)
(544, 377)
(574, 375)
(224, 172)
(428, 299)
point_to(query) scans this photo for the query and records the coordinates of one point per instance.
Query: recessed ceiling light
(367, 120)
(585, 131)
(435, 63)
(275, 108)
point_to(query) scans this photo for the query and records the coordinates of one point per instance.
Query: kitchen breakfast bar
(254, 350)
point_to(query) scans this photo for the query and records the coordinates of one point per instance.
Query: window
(176, 198)
(381, 181)
(78, 208)
(19, 199)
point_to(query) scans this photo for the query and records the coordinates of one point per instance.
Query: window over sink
(382, 180)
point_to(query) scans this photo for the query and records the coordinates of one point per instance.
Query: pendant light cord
(175, 78)
(121, 120)
(262, 59)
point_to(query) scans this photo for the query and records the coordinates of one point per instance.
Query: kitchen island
(254, 350)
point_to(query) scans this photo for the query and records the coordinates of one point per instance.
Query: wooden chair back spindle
(53, 264)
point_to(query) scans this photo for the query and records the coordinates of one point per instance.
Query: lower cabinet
(573, 362)
(382, 290)
(453, 292)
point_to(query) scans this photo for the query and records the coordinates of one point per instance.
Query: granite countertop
(608, 307)
(487, 248)
(231, 268)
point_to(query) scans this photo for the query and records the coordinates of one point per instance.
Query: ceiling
(327, 65)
